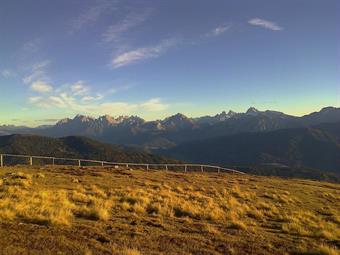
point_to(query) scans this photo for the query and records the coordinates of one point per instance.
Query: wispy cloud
(57, 101)
(38, 72)
(7, 73)
(265, 24)
(92, 98)
(78, 97)
(38, 79)
(32, 46)
(67, 101)
(41, 65)
(140, 54)
(219, 30)
(47, 102)
(41, 87)
(123, 108)
(27, 51)
(90, 15)
(35, 100)
(114, 32)
(79, 88)
(154, 105)
(44, 120)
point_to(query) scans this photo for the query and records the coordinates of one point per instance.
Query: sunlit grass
(214, 206)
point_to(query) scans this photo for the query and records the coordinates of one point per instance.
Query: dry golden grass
(206, 213)
(43, 207)
(322, 249)
(129, 251)
(21, 202)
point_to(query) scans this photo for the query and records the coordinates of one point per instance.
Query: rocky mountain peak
(328, 109)
(222, 116)
(231, 113)
(63, 121)
(131, 120)
(83, 118)
(179, 116)
(107, 119)
(176, 118)
(252, 111)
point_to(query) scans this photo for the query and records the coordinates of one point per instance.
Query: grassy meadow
(93, 210)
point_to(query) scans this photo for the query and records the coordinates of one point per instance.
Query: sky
(154, 58)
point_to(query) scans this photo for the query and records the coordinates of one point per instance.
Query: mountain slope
(315, 147)
(74, 147)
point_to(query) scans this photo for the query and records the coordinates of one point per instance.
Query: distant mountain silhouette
(74, 147)
(176, 129)
(313, 147)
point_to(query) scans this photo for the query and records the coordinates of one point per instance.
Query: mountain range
(316, 147)
(265, 142)
(176, 129)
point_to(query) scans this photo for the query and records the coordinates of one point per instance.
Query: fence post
(53, 161)
(127, 166)
(1, 160)
(185, 168)
(102, 163)
(219, 170)
(166, 167)
(202, 168)
(79, 163)
(147, 166)
(31, 161)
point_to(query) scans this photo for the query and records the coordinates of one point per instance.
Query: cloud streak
(78, 97)
(6, 73)
(219, 30)
(79, 88)
(41, 87)
(267, 24)
(67, 101)
(90, 15)
(140, 54)
(114, 32)
(38, 79)
(38, 72)
(32, 46)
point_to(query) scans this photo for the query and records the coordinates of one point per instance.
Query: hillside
(316, 147)
(74, 147)
(65, 210)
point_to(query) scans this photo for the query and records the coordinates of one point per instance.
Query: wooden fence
(83, 162)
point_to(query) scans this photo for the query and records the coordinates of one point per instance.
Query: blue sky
(156, 58)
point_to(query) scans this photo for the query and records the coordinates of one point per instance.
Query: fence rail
(167, 167)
